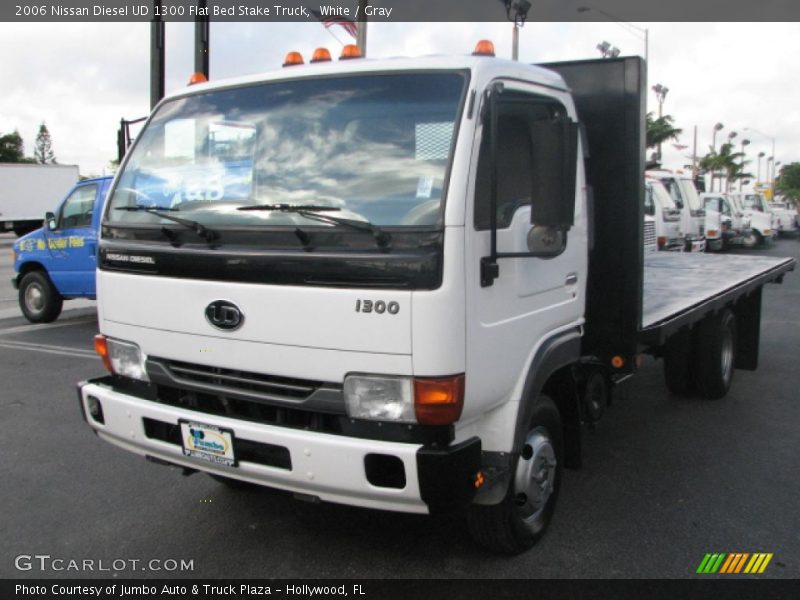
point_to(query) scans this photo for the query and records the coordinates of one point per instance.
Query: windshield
(374, 147)
(753, 202)
(690, 193)
(662, 196)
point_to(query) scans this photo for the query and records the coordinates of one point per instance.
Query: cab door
(73, 243)
(533, 297)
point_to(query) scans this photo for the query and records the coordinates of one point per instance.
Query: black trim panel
(446, 475)
(414, 261)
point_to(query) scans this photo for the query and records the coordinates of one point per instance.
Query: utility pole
(361, 35)
(157, 54)
(202, 35)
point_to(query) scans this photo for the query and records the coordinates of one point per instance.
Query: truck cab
(733, 227)
(762, 221)
(58, 261)
(785, 217)
(682, 190)
(666, 216)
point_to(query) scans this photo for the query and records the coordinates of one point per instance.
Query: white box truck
(28, 191)
(400, 284)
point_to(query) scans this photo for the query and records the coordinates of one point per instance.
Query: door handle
(572, 279)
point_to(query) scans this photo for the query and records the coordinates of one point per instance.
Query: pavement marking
(46, 326)
(47, 349)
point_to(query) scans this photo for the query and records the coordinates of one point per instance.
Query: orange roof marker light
(197, 78)
(484, 48)
(292, 59)
(350, 51)
(321, 55)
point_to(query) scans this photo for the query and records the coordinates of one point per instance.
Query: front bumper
(695, 244)
(327, 466)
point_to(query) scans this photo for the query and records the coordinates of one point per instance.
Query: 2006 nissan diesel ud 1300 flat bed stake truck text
(400, 284)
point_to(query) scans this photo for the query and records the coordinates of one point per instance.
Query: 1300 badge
(377, 306)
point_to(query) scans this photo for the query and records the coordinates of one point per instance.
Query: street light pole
(741, 163)
(758, 179)
(717, 127)
(772, 158)
(661, 95)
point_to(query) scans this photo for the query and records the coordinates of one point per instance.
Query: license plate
(207, 442)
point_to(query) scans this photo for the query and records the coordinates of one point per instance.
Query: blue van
(57, 262)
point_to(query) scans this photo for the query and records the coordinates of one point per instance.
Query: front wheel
(38, 298)
(750, 240)
(521, 518)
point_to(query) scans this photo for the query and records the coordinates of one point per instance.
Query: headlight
(122, 358)
(423, 400)
(379, 398)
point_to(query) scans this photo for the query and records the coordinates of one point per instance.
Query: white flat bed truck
(331, 279)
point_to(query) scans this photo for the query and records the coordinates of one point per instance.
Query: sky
(81, 78)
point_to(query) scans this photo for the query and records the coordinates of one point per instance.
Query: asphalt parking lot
(664, 481)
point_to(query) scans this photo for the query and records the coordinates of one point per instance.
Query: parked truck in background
(762, 222)
(398, 284)
(58, 261)
(666, 216)
(28, 190)
(734, 226)
(683, 192)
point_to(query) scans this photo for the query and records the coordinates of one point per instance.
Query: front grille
(248, 410)
(649, 234)
(263, 385)
(270, 455)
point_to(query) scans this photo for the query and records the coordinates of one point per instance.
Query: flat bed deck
(681, 288)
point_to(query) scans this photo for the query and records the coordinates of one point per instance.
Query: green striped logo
(734, 563)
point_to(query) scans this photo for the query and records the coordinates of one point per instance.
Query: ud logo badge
(224, 315)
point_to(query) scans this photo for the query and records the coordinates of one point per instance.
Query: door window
(77, 209)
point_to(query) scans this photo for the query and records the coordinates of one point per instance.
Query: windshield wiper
(209, 235)
(319, 213)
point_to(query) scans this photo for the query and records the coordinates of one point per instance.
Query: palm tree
(661, 130)
(726, 162)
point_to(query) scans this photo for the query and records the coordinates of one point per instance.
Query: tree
(789, 181)
(661, 130)
(43, 153)
(726, 162)
(12, 148)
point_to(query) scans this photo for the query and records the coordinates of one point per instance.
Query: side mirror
(555, 157)
(50, 218)
(546, 241)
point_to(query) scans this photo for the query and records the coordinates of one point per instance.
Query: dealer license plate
(208, 443)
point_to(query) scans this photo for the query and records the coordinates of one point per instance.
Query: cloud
(81, 78)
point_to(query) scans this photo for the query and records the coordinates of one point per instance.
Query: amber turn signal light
(438, 401)
(101, 348)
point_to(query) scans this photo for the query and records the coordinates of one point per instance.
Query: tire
(716, 354)
(678, 363)
(760, 241)
(750, 240)
(521, 518)
(38, 298)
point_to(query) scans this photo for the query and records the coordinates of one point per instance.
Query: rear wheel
(521, 518)
(38, 298)
(716, 354)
